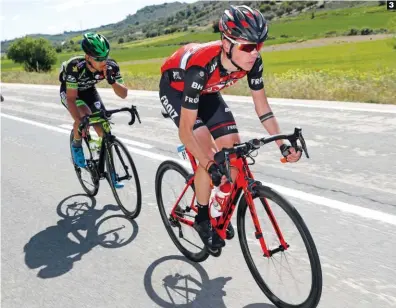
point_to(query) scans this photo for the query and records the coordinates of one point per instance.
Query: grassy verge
(364, 71)
(303, 84)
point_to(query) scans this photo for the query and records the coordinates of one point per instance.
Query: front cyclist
(190, 86)
(78, 77)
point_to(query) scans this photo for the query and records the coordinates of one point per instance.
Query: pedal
(214, 252)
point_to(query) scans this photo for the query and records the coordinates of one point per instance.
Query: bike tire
(110, 167)
(317, 280)
(162, 169)
(94, 176)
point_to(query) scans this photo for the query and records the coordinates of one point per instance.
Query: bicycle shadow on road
(181, 286)
(55, 249)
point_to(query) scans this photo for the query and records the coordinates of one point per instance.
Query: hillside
(167, 18)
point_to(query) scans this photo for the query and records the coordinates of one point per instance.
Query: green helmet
(96, 46)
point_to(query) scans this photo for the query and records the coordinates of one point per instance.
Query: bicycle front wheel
(276, 218)
(121, 172)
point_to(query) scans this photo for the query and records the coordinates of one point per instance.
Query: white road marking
(126, 141)
(342, 206)
(305, 103)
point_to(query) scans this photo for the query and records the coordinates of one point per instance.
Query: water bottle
(218, 198)
(181, 151)
(94, 145)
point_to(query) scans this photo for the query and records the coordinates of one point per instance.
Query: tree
(215, 27)
(120, 40)
(36, 54)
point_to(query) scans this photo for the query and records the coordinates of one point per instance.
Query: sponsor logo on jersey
(176, 76)
(71, 78)
(97, 105)
(191, 100)
(197, 86)
(256, 81)
(168, 107)
(232, 127)
(213, 67)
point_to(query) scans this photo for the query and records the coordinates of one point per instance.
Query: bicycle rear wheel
(189, 249)
(281, 257)
(91, 183)
(117, 154)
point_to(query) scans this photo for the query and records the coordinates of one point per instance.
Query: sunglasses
(246, 47)
(99, 59)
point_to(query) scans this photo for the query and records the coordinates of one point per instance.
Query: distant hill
(155, 20)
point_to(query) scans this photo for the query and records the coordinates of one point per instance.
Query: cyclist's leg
(83, 109)
(93, 100)
(221, 122)
(171, 101)
(218, 117)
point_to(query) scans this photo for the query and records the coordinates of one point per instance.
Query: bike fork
(259, 234)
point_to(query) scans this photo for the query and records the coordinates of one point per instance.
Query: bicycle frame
(99, 164)
(101, 117)
(242, 187)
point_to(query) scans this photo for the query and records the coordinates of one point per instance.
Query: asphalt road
(346, 193)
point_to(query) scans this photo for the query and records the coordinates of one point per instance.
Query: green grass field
(339, 21)
(363, 57)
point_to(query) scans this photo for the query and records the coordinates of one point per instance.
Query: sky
(21, 17)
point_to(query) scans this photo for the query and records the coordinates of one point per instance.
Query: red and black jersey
(210, 76)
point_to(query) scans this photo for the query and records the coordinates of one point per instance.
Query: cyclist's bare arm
(120, 89)
(265, 113)
(263, 110)
(195, 80)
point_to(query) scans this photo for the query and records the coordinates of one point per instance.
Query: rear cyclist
(78, 77)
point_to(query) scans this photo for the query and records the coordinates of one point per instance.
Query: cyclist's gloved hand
(110, 76)
(215, 174)
(292, 155)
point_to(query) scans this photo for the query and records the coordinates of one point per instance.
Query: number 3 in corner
(391, 5)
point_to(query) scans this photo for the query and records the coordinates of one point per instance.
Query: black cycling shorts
(212, 110)
(89, 97)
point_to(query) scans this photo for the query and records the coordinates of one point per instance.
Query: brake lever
(227, 166)
(303, 145)
(137, 113)
(132, 117)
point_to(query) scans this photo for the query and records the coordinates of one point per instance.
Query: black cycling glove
(110, 75)
(215, 174)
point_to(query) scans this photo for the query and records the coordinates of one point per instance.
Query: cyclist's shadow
(55, 249)
(186, 290)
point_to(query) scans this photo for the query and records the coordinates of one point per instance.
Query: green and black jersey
(75, 74)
